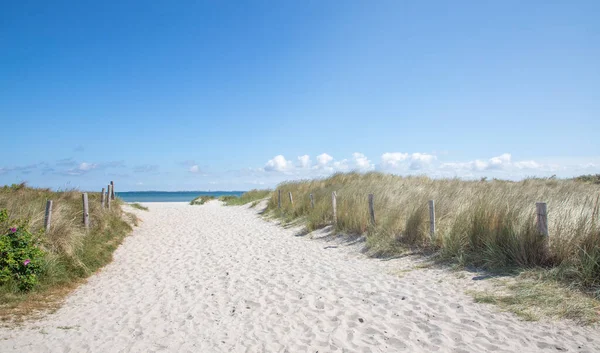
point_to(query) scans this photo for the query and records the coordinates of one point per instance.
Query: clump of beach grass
(489, 224)
(532, 295)
(253, 196)
(201, 200)
(72, 253)
(138, 206)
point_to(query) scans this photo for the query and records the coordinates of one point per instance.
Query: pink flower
(26, 262)
(13, 230)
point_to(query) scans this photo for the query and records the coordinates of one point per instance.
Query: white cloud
(278, 164)
(528, 165)
(85, 167)
(362, 162)
(340, 166)
(398, 161)
(499, 162)
(324, 159)
(304, 161)
(392, 160)
(194, 169)
(421, 160)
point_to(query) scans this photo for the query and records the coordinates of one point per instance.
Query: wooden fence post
(372, 209)
(86, 211)
(102, 197)
(279, 198)
(112, 190)
(108, 197)
(312, 201)
(542, 217)
(48, 215)
(432, 219)
(334, 205)
(291, 199)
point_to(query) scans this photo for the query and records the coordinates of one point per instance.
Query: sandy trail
(220, 279)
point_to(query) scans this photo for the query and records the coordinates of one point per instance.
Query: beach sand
(221, 279)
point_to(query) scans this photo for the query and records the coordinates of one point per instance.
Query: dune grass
(201, 200)
(253, 196)
(532, 295)
(72, 253)
(487, 224)
(138, 206)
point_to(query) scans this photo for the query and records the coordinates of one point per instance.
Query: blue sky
(220, 95)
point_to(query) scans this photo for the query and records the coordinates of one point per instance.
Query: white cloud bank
(404, 163)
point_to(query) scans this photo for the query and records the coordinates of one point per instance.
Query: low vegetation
(590, 178)
(487, 224)
(43, 266)
(138, 206)
(201, 200)
(253, 196)
(532, 296)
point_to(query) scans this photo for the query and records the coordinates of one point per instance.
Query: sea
(170, 196)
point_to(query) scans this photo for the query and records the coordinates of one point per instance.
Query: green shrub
(20, 256)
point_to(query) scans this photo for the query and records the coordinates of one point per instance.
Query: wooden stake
(334, 205)
(372, 209)
(279, 198)
(48, 215)
(112, 190)
(312, 201)
(102, 197)
(542, 218)
(291, 199)
(86, 211)
(432, 219)
(108, 197)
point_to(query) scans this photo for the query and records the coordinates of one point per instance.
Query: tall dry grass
(490, 224)
(72, 252)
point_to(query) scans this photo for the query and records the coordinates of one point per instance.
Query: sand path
(220, 279)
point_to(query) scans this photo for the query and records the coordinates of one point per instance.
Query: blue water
(168, 196)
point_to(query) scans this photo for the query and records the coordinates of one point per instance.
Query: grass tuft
(253, 196)
(201, 200)
(536, 298)
(138, 206)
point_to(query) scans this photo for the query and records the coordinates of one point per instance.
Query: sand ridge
(221, 279)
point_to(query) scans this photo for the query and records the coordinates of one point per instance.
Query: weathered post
(372, 209)
(86, 211)
(102, 197)
(291, 199)
(279, 198)
(312, 201)
(542, 217)
(108, 197)
(48, 215)
(334, 205)
(112, 190)
(432, 219)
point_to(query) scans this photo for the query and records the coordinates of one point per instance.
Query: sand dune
(220, 279)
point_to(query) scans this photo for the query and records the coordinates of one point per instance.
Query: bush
(20, 256)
